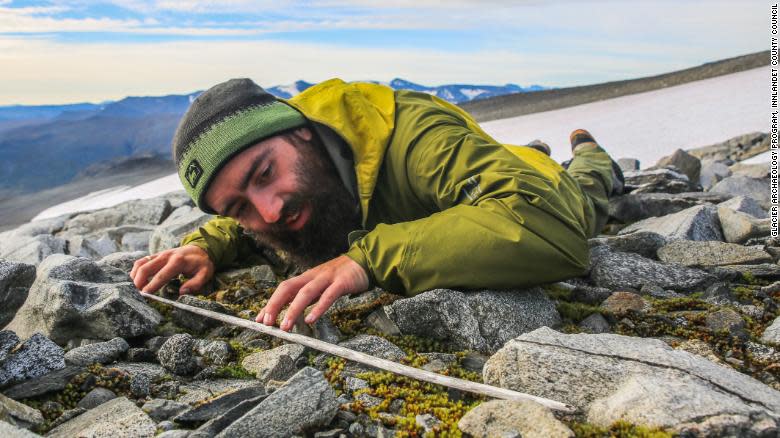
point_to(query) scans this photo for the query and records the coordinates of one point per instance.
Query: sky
(67, 51)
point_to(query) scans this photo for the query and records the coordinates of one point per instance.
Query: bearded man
(368, 186)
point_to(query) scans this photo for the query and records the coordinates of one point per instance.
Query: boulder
(619, 270)
(771, 334)
(644, 243)
(118, 418)
(96, 397)
(738, 185)
(176, 355)
(75, 298)
(47, 383)
(101, 352)
(31, 249)
(193, 321)
(481, 321)
(306, 401)
(659, 180)
(695, 223)
(613, 377)
(621, 303)
(745, 204)
(121, 260)
(136, 212)
(219, 406)
(99, 244)
(712, 172)
(757, 170)
(15, 281)
(268, 365)
(19, 414)
(35, 357)
(737, 148)
(217, 424)
(686, 163)
(628, 164)
(182, 221)
(8, 430)
(160, 409)
(738, 227)
(692, 253)
(504, 418)
(633, 207)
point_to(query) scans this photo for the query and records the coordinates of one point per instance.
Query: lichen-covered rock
(160, 409)
(695, 223)
(194, 321)
(481, 321)
(738, 227)
(644, 243)
(118, 418)
(633, 207)
(75, 298)
(594, 323)
(15, 281)
(621, 303)
(304, 402)
(95, 398)
(771, 334)
(136, 212)
(35, 357)
(745, 204)
(181, 222)
(504, 418)
(375, 346)
(615, 377)
(619, 270)
(121, 260)
(176, 355)
(692, 253)
(659, 180)
(20, 414)
(269, 365)
(31, 249)
(739, 185)
(100, 352)
(726, 320)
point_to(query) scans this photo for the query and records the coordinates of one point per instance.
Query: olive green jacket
(445, 205)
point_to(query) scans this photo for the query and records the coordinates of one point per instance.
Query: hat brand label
(194, 172)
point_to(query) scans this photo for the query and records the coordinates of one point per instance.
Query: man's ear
(304, 133)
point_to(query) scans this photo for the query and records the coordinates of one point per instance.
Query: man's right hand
(152, 272)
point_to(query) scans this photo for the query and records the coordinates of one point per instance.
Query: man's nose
(269, 206)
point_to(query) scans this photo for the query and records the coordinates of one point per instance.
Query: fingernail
(185, 291)
(285, 324)
(267, 319)
(309, 319)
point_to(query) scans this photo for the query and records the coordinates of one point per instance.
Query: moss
(233, 371)
(574, 313)
(743, 294)
(619, 429)
(692, 302)
(557, 292)
(350, 320)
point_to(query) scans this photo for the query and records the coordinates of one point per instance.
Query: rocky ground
(673, 332)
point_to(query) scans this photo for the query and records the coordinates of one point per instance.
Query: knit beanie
(223, 121)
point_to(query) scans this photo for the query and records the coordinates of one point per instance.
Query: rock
(718, 293)
(176, 355)
(427, 422)
(15, 281)
(590, 295)
(306, 401)
(259, 276)
(638, 380)
(712, 172)
(738, 227)
(595, 323)
(194, 321)
(140, 386)
(135, 241)
(628, 164)
(160, 409)
(101, 352)
(35, 357)
(19, 414)
(738, 185)
(196, 392)
(151, 371)
(218, 353)
(51, 382)
(730, 425)
(136, 212)
(141, 355)
(633, 207)
(659, 180)
(219, 406)
(118, 418)
(745, 204)
(218, 424)
(736, 149)
(74, 298)
(378, 320)
(621, 303)
(695, 223)
(375, 346)
(121, 260)
(644, 243)
(726, 320)
(31, 249)
(481, 321)
(686, 163)
(764, 271)
(352, 384)
(701, 348)
(96, 397)
(771, 334)
(8, 430)
(325, 330)
(619, 270)
(693, 253)
(658, 292)
(181, 222)
(757, 170)
(269, 365)
(438, 362)
(504, 418)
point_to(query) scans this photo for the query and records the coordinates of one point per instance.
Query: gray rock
(218, 353)
(216, 425)
(181, 222)
(738, 227)
(194, 321)
(727, 320)
(628, 164)
(217, 407)
(764, 271)
(101, 352)
(31, 249)
(140, 386)
(35, 357)
(8, 430)
(738, 185)
(771, 334)
(695, 223)
(160, 409)
(375, 346)
(304, 402)
(19, 414)
(259, 275)
(15, 281)
(325, 330)
(633, 207)
(644, 243)
(121, 260)
(352, 384)
(136, 212)
(269, 365)
(75, 298)
(481, 321)
(686, 163)
(737, 148)
(197, 392)
(47, 383)
(149, 370)
(745, 204)
(118, 418)
(619, 270)
(135, 241)
(94, 246)
(176, 355)
(427, 422)
(438, 362)
(96, 397)
(692, 253)
(718, 293)
(757, 170)
(613, 377)
(758, 425)
(168, 426)
(378, 320)
(590, 295)
(659, 180)
(594, 323)
(712, 172)
(67, 416)
(621, 303)
(658, 292)
(503, 418)
(176, 433)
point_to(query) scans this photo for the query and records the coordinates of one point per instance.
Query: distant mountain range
(46, 146)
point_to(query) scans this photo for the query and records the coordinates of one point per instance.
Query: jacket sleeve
(224, 241)
(496, 222)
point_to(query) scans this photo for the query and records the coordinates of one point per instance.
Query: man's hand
(324, 284)
(151, 273)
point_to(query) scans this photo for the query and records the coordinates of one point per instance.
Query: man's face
(286, 193)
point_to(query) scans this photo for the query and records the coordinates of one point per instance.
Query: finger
(138, 263)
(148, 269)
(305, 296)
(281, 296)
(260, 315)
(195, 283)
(331, 294)
(166, 274)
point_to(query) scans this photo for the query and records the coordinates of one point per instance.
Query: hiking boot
(580, 136)
(540, 146)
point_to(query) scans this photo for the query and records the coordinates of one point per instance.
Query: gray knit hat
(223, 121)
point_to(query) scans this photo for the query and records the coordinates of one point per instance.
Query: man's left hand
(324, 283)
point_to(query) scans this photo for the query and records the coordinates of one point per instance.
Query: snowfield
(645, 126)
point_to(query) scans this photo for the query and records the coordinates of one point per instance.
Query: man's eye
(267, 172)
(241, 210)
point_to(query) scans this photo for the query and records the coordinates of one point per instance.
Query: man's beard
(334, 212)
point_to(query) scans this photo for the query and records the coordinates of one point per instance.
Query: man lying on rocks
(373, 187)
